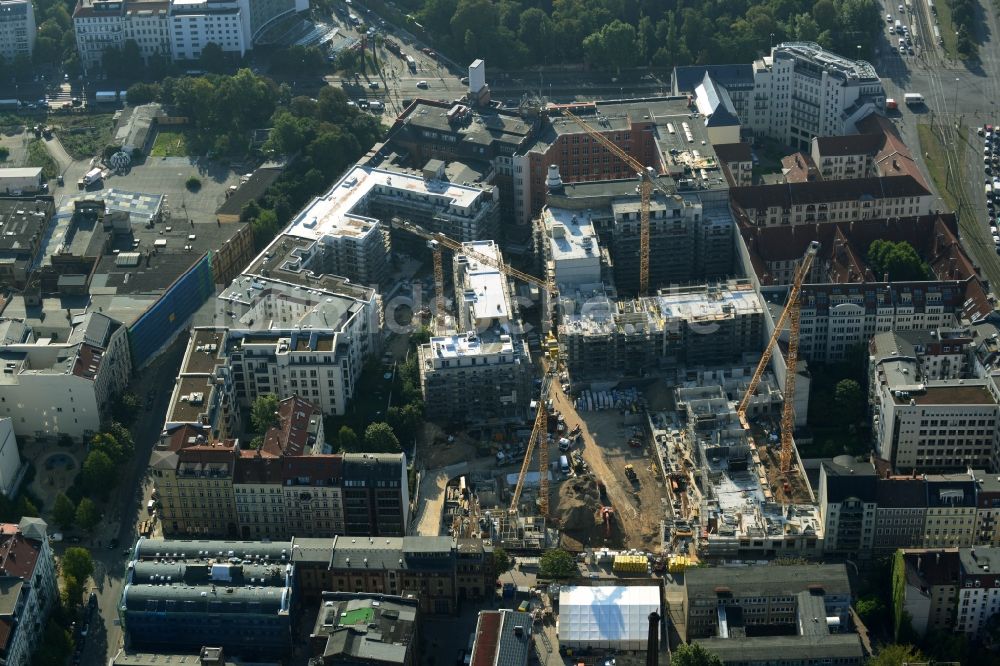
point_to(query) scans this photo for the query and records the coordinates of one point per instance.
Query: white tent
(606, 616)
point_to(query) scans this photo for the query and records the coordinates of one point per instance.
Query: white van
(564, 464)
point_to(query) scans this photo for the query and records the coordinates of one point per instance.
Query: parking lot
(991, 177)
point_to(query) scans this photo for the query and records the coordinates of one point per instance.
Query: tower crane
(539, 431)
(790, 312)
(647, 181)
(439, 313)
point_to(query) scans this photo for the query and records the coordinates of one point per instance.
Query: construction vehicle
(791, 313)
(630, 474)
(647, 181)
(607, 515)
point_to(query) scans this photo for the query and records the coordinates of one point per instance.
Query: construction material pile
(579, 501)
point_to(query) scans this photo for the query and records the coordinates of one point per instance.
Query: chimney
(553, 181)
(653, 640)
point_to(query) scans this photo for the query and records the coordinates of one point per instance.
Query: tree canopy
(502, 562)
(693, 654)
(264, 412)
(897, 259)
(625, 33)
(87, 514)
(379, 438)
(98, 474)
(557, 563)
(897, 655)
(849, 401)
(77, 562)
(63, 511)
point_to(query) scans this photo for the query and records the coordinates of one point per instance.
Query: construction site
(609, 470)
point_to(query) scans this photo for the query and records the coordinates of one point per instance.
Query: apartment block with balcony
(17, 29)
(376, 494)
(295, 334)
(483, 373)
(193, 476)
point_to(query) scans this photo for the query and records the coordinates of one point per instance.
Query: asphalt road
(956, 93)
(127, 508)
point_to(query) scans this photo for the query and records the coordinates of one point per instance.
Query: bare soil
(638, 507)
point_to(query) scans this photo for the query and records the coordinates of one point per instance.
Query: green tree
(870, 609)
(72, 590)
(897, 655)
(123, 436)
(77, 562)
(98, 474)
(264, 412)
(535, 30)
(143, 93)
(63, 511)
(379, 438)
(849, 401)
(347, 440)
(406, 420)
(264, 227)
(557, 563)
(212, 58)
(502, 562)
(87, 514)
(897, 259)
(55, 647)
(108, 444)
(693, 654)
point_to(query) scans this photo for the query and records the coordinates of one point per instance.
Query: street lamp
(956, 101)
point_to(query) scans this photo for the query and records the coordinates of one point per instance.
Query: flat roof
(782, 649)
(712, 302)
(571, 234)
(488, 287)
(602, 613)
(21, 172)
(334, 214)
(204, 351)
(947, 392)
(455, 346)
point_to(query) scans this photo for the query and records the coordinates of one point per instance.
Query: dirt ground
(639, 509)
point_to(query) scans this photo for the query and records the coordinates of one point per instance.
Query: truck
(913, 99)
(106, 97)
(411, 63)
(92, 176)
(11, 104)
(898, 28)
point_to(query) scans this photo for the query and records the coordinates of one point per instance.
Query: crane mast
(439, 312)
(646, 182)
(765, 358)
(539, 431)
(788, 409)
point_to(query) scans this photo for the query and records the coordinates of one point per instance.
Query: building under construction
(685, 326)
(746, 508)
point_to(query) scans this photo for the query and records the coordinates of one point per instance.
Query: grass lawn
(170, 143)
(38, 156)
(947, 27)
(937, 163)
(85, 136)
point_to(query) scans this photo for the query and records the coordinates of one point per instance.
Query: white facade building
(570, 247)
(17, 29)
(49, 389)
(922, 424)
(10, 457)
(178, 29)
(801, 91)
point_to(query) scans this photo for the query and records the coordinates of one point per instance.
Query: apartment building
(175, 592)
(483, 373)
(53, 388)
(29, 590)
(25, 222)
(193, 477)
(844, 303)
(17, 29)
(798, 92)
(920, 424)
(736, 161)
(877, 150)
(10, 458)
(295, 333)
(177, 29)
(848, 200)
(501, 637)
(290, 485)
(690, 240)
(929, 593)
(439, 571)
(866, 509)
(684, 326)
(949, 589)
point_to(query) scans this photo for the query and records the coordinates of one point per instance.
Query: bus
(411, 63)
(913, 99)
